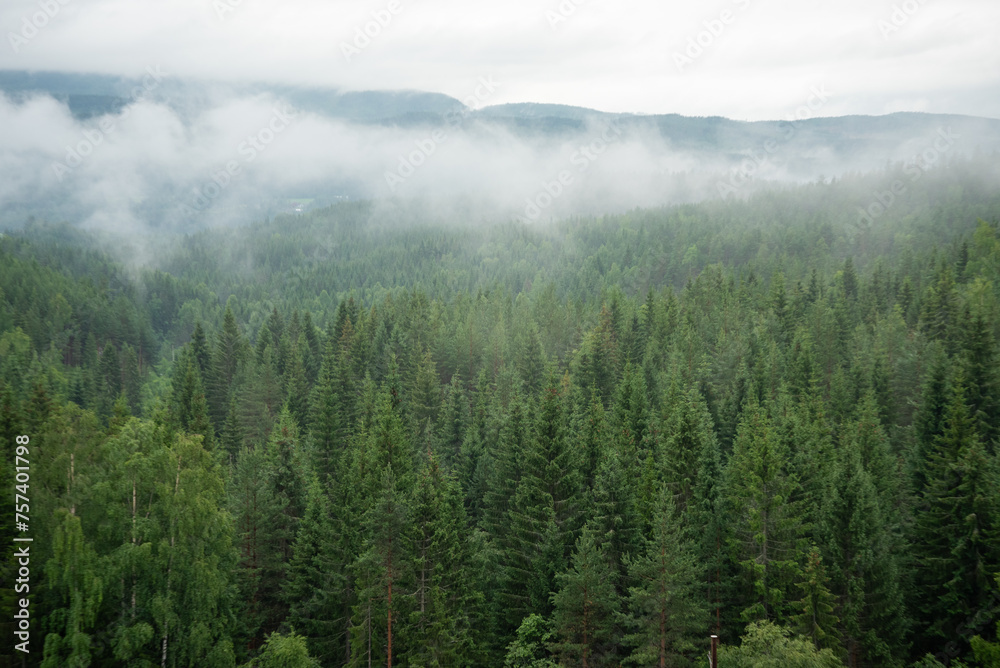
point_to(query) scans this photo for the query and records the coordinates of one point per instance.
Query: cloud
(614, 55)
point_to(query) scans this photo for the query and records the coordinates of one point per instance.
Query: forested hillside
(368, 436)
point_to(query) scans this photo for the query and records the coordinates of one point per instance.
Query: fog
(226, 157)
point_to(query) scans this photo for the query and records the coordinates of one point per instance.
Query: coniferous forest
(370, 435)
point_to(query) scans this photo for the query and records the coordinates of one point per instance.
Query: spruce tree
(766, 527)
(958, 529)
(586, 606)
(816, 620)
(444, 610)
(316, 582)
(664, 604)
(228, 358)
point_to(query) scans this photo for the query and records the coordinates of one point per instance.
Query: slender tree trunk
(347, 622)
(663, 638)
(133, 546)
(170, 569)
(389, 664)
(163, 656)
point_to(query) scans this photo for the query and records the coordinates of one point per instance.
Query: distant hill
(839, 140)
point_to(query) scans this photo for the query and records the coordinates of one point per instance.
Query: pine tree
(614, 519)
(929, 418)
(705, 526)
(109, 380)
(515, 435)
(426, 392)
(384, 472)
(864, 544)
(979, 366)
(664, 606)
(586, 606)
(200, 350)
(594, 433)
(958, 531)
(630, 416)
(766, 526)
(297, 384)
(261, 535)
(316, 581)
(131, 380)
(687, 432)
(817, 620)
(440, 630)
(232, 432)
(228, 358)
(382, 567)
(453, 418)
(544, 516)
(326, 429)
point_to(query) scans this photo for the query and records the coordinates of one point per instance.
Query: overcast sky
(744, 59)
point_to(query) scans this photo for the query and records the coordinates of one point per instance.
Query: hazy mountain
(160, 166)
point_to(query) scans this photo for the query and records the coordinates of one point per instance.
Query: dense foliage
(361, 437)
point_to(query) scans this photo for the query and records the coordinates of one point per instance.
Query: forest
(370, 435)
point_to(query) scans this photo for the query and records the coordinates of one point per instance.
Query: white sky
(614, 55)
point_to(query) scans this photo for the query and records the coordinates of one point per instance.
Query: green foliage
(284, 651)
(766, 645)
(586, 606)
(664, 606)
(484, 419)
(529, 649)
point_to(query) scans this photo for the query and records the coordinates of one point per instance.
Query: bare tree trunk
(389, 664)
(163, 657)
(133, 546)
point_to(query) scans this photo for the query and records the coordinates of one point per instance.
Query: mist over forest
(526, 335)
(158, 153)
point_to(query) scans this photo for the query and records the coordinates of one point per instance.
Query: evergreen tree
(440, 630)
(958, 530)
(613, 519)
(766, 527)
(586, 606)
(864, 549)
(200, 350)
(817, 620)
(131, 380)
(228, 358)
(316, 581)
(297, 384)
(664, 606)
(544, 516)
(261, 535)
(980, 370)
